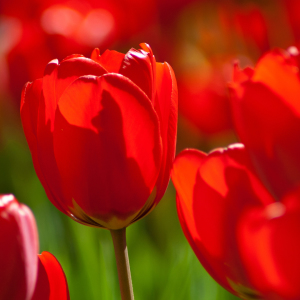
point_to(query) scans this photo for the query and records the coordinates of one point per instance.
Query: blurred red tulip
(293, 15)
(22, 276)
(245, 239)
(41, 30)
(102, 134)
(251, 24)
(266, 111)
(203, 99)
(170, 9)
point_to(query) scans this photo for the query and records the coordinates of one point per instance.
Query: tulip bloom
(292, 8)
(203, 99)
(266, 113)
(24, 274)
(102, 134)
(250, 23)
(245, 239)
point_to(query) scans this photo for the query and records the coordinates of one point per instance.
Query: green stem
(121, 252)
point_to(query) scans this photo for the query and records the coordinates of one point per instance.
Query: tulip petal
(278, 71)
(31, 95)
(107, 147)
(49, 93)
(19, 239)
(31, 104)
(30, 99)
(51, 283)
(166, 106)
(58, 76)
(266, 114)
(184, 175)
(213, 193)
(145, 47)
(270, 249)
(110, 60)
(268, 128)
(137, 66)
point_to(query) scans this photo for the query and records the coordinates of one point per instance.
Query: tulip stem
(121, 253)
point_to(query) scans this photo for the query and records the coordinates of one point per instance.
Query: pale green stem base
(121, 252)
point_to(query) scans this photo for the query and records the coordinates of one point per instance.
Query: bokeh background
(201, 40)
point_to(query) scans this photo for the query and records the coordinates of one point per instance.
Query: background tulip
(265, 110)
(41, 30)
(241, 235)
(200, 95)
(19, 248)
(23, 272)
(102, 134)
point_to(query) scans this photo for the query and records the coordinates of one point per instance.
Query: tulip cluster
(102, 134)
(239, 206)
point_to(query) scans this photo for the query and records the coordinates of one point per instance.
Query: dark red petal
(107, 146)
(137, 66)
(51, 282)
(213, 194)
(110, 60)
(166, 106)
(19, 246)
(270, 248)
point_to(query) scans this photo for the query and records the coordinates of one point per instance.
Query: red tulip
(22, 275)
(19, 248)
(203, 98)
(292, 12)
(102, 134)
(244, 238)
(251, 24)
(266, 114)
